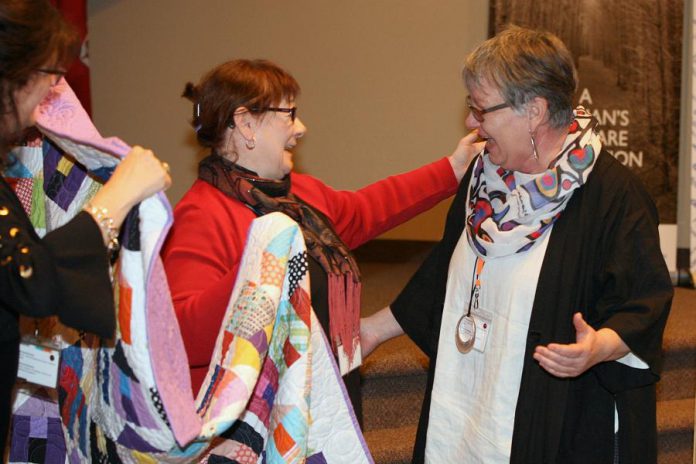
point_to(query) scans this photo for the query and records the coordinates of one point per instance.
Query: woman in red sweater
(245, 113)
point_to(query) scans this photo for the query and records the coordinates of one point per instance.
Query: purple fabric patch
(130, 439)
(56, 449)
(21, 426)
(260, 341)
(37, 439)
(117, 404)
(131, 415)
(143, 411)
(316, 459)
(38, 405)
(50, 159)
(269, 395)
(38, 427)
(59, 187)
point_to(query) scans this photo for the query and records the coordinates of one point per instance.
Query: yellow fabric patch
(65, 165)
(245, 353)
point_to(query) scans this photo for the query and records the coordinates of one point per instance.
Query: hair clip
(197, 110)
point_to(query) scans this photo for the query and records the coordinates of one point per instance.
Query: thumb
(470, 138)
(581, 327)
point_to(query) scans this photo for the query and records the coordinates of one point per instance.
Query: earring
(535, 154)
(251, 144)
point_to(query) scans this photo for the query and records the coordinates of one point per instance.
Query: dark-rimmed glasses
(479, 112)
(291, 111)
(56, 73)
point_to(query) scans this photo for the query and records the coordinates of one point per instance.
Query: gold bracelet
(106, 224)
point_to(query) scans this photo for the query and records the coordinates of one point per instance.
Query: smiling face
(506, 131)
(275, 134)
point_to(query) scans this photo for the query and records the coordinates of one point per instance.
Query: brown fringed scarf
(266, 196)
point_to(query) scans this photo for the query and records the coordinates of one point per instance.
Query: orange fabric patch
(283, 441)
(272, 270)
(125, 295)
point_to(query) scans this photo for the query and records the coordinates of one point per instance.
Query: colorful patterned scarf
(505, 218)
(265, 196)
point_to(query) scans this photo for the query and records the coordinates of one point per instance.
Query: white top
(474, 395)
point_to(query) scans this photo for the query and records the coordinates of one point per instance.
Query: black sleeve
(418, 308)
(636, 288)
(65, 274)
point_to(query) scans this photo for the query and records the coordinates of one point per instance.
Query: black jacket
(603, 259)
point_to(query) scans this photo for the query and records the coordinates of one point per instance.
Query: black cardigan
(603, 259)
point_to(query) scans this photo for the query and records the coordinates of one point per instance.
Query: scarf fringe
(344, 313)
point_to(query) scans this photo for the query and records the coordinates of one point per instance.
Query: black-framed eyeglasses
(479, 112)
(291, 111)
(56, 73)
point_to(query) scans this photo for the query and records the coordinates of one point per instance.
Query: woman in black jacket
(542, 309)
(65, 273)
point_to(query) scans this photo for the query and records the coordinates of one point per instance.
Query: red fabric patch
(226, 340)
(125, 297)
(245, 455)
(302, 304)
(291, 354)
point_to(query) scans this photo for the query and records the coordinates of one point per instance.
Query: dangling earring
(535, 154)
(251, 144)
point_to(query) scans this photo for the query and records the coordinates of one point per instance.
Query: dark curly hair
(33, 34)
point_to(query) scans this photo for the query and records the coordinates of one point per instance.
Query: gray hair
(524, 64)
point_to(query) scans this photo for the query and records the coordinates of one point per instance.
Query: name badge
(39, 361)
(483, 320)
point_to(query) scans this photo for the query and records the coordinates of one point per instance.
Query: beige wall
(380, 78)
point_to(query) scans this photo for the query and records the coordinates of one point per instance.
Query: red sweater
(204, 248)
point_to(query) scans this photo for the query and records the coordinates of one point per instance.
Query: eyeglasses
(291, 111)
(56, 73)
(478, 112)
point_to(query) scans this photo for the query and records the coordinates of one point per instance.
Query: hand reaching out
(466, 149)
(591, 347)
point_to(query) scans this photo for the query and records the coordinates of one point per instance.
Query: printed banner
(629, 58)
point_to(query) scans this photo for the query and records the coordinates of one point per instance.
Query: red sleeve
(201, 258)
(363, 215)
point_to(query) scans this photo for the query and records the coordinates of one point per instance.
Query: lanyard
(475, 285)
(466, 327)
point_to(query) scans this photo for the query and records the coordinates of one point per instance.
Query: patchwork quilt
(273, 392)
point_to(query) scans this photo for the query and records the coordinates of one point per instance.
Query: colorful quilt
(273, 393)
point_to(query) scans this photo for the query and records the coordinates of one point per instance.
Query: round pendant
(466, 333)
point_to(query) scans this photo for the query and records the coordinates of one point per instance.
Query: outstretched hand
(467, 148)
(591, 347)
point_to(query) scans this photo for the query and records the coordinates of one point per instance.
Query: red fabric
(75, 12)
(203, 250)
